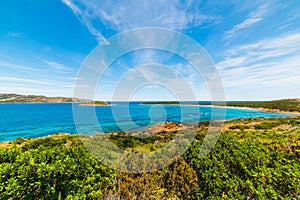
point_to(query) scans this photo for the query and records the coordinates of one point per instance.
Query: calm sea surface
(36, 120)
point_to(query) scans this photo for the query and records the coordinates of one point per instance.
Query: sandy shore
(270, 110)
(266, 110)
(251, 108)
(238, 107)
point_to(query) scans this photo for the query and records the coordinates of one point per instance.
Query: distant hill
(17, 98)
(292, 105)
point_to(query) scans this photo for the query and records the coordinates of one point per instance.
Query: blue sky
(255, 45)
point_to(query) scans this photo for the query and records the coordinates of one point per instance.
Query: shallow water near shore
(42, 119)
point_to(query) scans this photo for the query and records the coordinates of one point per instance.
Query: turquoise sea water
(36, 120)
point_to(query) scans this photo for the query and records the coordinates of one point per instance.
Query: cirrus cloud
(101, 16)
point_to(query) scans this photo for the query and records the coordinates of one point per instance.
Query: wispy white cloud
(17, 66)
(85, 19)
(22, 80)
(119, 15)
(154, 74)
(57, 66)
(60, 84)
(74, 8)
(15, 34)
(266, 63)
(253, 18)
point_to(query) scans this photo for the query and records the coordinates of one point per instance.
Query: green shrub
(19, 140)
(46, 173)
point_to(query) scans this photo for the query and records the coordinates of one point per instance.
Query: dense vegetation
(284, 104)
(254, 158)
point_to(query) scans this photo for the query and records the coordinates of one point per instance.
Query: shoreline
(260, 109)
(270, 110)
(238, 107)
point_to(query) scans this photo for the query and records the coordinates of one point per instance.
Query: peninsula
(17, 98)
(281, 105)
